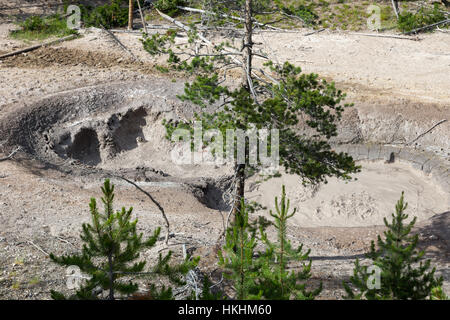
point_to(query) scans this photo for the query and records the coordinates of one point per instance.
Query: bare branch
(11, 154)
(422, 134)
(120, 43)
(37, 247)
(70, 37)
(161, 209)
(223, 15)
(384, 36)
(142, 17)
(428, 27)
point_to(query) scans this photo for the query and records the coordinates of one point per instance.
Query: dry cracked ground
(84, 110)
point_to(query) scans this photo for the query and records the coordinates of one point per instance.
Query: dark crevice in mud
(211, 192)
(128, 129)
(85, 147)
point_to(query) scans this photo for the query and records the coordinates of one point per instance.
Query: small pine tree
(438, 294)
(207, 292)
(276, 281)
(110, 252)
(404, 274)
(237, 257)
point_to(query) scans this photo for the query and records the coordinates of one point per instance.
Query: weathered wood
(130, 14)
(37, 247)
(37, 46)
(443, 31)
(428, 27)
(8, 157)
(395, 7)
(384, 36)
(142, 16)
(225, 16)
(314, 32)
(429, 130)
(33, 6)
(161, 209)
(120, 43)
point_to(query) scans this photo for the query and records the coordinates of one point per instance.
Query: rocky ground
(399, 88)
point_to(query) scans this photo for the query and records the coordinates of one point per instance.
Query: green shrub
(111, 253)
(108, 16)
(306, 13)
(169, 6)
(438, 294)
(408, 21)
(405, 273)
(37, 28)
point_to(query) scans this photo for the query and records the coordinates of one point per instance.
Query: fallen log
(427, 27)
(225, 16)
(120, 43)
(10, 155)
(384, 36)
(429, 130)
(33, 6)
(314, 32)
(45, 44)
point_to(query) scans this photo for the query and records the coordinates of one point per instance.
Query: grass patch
(37, 28)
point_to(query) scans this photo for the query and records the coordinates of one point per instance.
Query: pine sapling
(111, 253)
(404, 273)
(237, 256)
(276, 281)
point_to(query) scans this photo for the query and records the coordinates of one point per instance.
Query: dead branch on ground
(120, 43)
(11, 154)
(161, 209)
(384, 36)
(422, 134)
(28, 49)
(427, 27)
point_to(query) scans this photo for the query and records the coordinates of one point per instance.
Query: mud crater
(117, 128)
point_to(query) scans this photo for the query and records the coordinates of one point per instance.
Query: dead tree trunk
(396, 8)
(246, 82)
(130, 14)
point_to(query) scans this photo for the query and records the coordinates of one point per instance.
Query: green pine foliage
(110, 255)
(438, 294)
(208, 293)
(265, 274)
(408, 21)
(404, 273)
(237, 257)
(112, 15)
(169, 6)
(276, 281)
